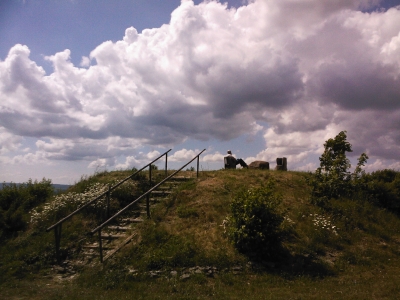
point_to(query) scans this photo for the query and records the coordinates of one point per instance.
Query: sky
(93, 85)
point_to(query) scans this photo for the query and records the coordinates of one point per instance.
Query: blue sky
(92, 85)
(52, 26)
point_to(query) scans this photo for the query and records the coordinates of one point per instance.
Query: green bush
(16, 201)
(254, 223)
(382, 188)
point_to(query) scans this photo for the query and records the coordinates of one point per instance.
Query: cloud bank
(304, 69)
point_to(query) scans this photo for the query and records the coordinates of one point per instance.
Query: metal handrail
(103, 194)
(57, 226)
(148, 192)
(101, 226)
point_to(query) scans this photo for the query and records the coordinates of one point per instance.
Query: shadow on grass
(282, 262)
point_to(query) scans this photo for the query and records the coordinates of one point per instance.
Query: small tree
(333, 178)
(333, 161)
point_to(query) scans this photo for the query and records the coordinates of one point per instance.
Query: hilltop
(349, 250)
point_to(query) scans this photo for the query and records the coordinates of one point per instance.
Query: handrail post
(166, 164)
(57, 235)
(198, 161)
(108, 201)
(148, 205)
(100, 247)
(148, 195)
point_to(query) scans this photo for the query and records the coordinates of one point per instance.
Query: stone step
(158, 192)
(112, 236)
(132, 220)
(115, 234)
(126, 241)
(164, 188)
(118, 228)
(155, 200)
(94, 253)
(179, 178)
(96, 247)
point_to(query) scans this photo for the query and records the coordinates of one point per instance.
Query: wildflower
(70, 201)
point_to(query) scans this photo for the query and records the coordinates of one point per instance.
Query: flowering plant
(66, 203)
(324, 223)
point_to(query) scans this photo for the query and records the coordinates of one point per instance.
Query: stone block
(259, 164)
(281, 164)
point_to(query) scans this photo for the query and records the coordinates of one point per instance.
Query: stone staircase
(123, 229)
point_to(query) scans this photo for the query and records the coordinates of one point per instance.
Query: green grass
(356, 259)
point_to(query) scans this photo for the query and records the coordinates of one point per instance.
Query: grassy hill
(349, 250)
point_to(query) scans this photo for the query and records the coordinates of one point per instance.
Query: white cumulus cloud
(307, 68)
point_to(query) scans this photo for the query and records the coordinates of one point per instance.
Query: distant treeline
(56, 187)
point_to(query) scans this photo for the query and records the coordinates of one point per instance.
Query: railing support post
(148, 205)
(57, 235)
(166, 164)
(108, 201)
(148, 195)
(100, 247)
(150, 175)
(198, 162)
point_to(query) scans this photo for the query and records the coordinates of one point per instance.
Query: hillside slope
(349, 251)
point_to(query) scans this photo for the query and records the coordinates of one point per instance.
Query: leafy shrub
(126, 193)
(254, 223)
(16, 202)
(383, 188)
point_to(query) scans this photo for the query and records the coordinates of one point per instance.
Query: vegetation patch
(230, 234)
(254, 225)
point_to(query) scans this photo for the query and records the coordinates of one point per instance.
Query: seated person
(231, 162)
